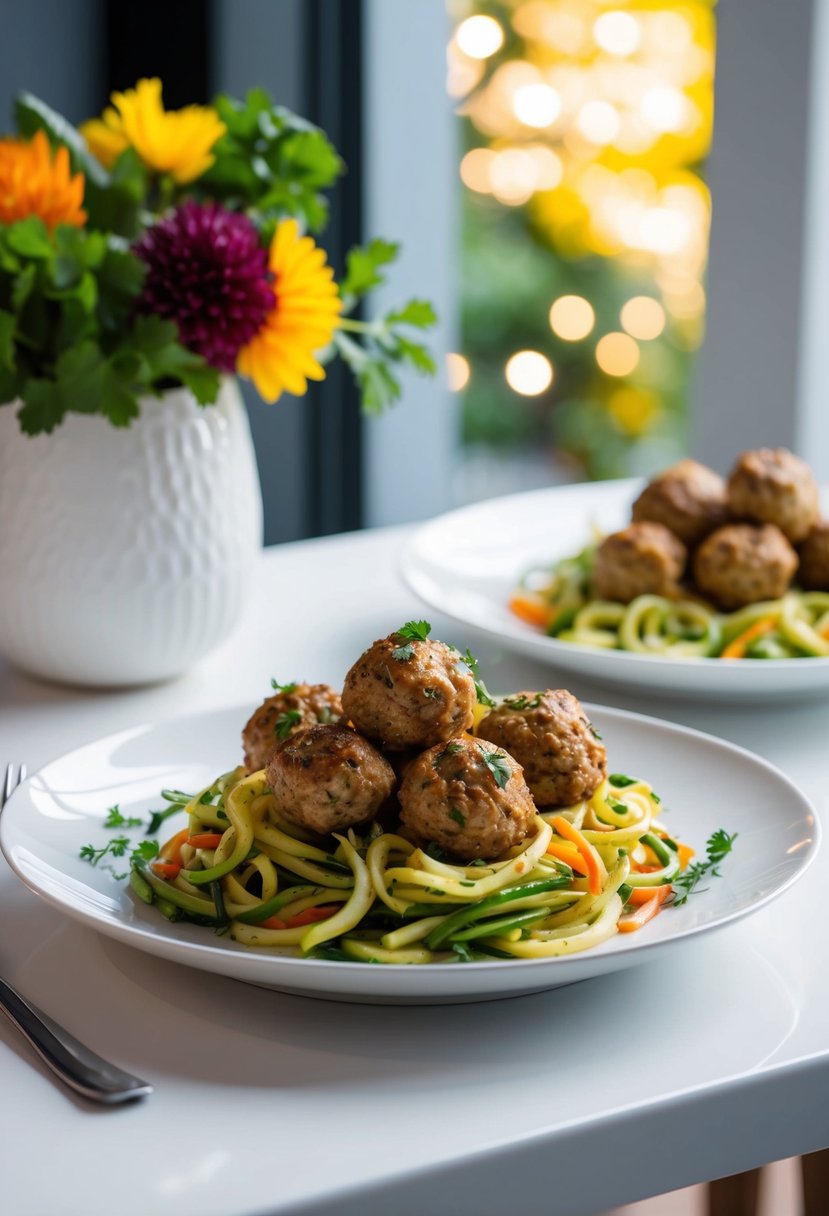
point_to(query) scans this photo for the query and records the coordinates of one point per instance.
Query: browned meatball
(814, 558)
(550, 736)
(468, 797)
(408, 692)
(326, 778)
(643, 559)
(771, 486)
(293, 707)
(743, 563)
(688, 498)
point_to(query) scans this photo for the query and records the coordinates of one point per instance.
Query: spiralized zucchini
(558, 601)
(374, 897)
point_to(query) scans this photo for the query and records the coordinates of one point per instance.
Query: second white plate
(466, 564)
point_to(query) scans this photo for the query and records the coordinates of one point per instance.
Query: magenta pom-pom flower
(207, 271)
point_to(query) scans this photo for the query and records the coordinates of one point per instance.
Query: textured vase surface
(124, 553)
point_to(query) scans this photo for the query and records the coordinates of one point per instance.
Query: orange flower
(32, 183)
(280, 357)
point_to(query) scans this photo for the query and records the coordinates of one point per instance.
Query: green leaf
(34, 115)
(417, 356)
(154, 342)
(416, 312)
(363, 267)
(90, 384)
(42, 408)
(30, 238)
(378, 386)
(8, 324)
(418, 630)
(22, 286)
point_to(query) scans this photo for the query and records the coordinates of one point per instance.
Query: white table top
(571, 1101)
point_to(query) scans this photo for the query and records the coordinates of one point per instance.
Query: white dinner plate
(467, 563)
(704, 783)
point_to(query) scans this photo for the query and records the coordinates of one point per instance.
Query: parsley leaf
(144, 852)
(620, 780)
(403, 653)
(416, 630)
(115, 819)
(117, 847)
(616, 805)
(451, 749)
(481, 692)
(457, 815)
(522, 701)
(718, 847)
(286, 722)
(290, 687)
(498, 765)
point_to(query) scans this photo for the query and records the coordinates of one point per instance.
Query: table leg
(735, 1196)
(815, 1170)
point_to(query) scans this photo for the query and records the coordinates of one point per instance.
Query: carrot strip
(166, 869)
(569, 854)
(171, 851)
(642, 895)
(310, 915)
(635, 920)
(594, 877)
(736, 649)
(273, 922)
(205, 840)
(686, 853)
(530, 611)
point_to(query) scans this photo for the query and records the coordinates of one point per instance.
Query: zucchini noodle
(558, 601)
(376, 898)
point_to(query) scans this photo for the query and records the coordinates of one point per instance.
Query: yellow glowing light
(664, 108)
(479, 37)
(643, 317)
(536, 105)
(529, 373)
(599, 122)
(617, 354)
(634, 409)
(662, 230)
(513, 176)
(548, 166)
(457, 372)
(475, 170)
(617, 33)
(572, 318)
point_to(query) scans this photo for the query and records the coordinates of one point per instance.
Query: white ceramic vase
(125, 553)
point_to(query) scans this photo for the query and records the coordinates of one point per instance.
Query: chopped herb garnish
(593, 731)
(522, 701)
(117, 847)
(451, 749)
(206, 798)
(403, 653)
(655, 798)
(291, 687)
(498, 765)
(286, 722)
(479, 861)
(467, 882)
(435, 852)
(457, 815)
(481, 693)
(432, 693)
(144, 852)
(718, 847)
(115, 819)
(418, 631)
(620, 780)
(615, 805)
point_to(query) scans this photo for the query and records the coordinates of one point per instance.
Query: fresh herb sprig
(481, 691)
(718, 846)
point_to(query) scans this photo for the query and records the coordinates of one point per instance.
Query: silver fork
(70, 1060)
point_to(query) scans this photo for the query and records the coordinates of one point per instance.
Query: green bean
(499, 925)
(140, 886)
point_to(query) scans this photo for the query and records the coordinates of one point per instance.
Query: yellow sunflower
(280, 358)
(178, 142)
(33, 183)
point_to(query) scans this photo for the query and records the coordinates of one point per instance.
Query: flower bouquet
(155, 248)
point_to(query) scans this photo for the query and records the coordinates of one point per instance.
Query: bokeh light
(643, 317)
(572, 318)
(457, 372)
(617, 354)
(479, 37)
(617, 32)
(536, 105)
(529, 373)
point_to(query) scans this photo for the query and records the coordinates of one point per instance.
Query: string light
(643, 317)
(480, 37)
(617, 33)
(457, 372)
(572, 318)
(617, 354)
(529, 373)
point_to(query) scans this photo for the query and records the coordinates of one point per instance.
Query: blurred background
(625, 271)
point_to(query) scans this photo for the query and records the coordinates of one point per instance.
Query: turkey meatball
(771, 486)
(326, 778)
(294, 707)
(550, 736)
(689, 499)
(814, 558)
(743, 563)
(643, 559)
(408, 692)
(468, 797)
